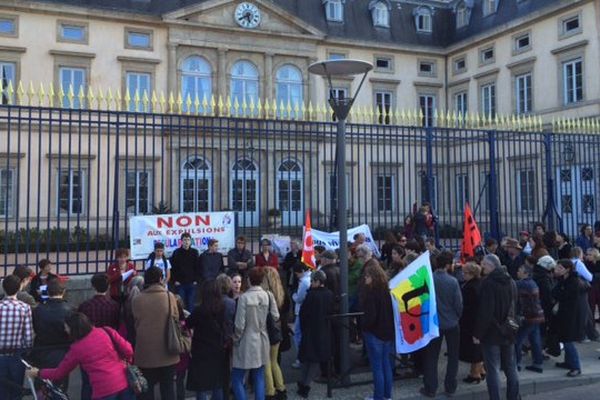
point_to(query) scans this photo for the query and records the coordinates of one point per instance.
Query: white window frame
(128, 34)
(389, 68)
(461, 102)
(334, 10)
(4, 67)
(572, 96)
(137, 200)
(289, 84)
(463, 15)
(381, 15)
(428, 120)
(195, 175)
(83, 181)
(246, 80)
(523, 93)
(385, 199)
(71, 25)
(14, 20)
(290, 176)
(202, 78)
(531, 188)
(136, 86)
(384, 103)
(71, 71)
(461, 187)
(424, 20)
(489, 7)
(488, 99)
(7, 191)
(564, 32)
(485, 61)
(517, 47)
(455, 66)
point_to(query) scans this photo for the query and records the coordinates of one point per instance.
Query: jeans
(258, 379)
(187, 292)
(164, 376)
(531, 331)
(297, 332)
(432, 355)
(215, 394)
(494, 358)
(86, 388)
(379, 355)
(126, 394)
(571, 356)
(12, 370)
(273, 375)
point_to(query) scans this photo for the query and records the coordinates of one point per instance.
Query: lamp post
(341, 107)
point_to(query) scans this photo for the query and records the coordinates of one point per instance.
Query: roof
(357, 23)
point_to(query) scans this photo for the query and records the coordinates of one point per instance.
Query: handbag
(510, 326)
(176, 341)
(136, 380)
(273, 330)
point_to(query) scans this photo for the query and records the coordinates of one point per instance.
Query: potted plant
(274, 216)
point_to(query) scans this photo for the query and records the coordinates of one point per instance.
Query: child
(158, 259)
(39, 283)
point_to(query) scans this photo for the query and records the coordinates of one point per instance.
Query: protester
(120, 274)
(430, 247)
(422, 229)
(303, 276)
(209, 363)
(236, 287)
(185, 272)
(134, 288)
(377, 324)
(491, 246)
(538, 229)
(100, 353)
(158, 259)
(331, 269)
(211, 262)
(239, 259)
(580, 268)
(225, 285)
(266, 257)
(25, 274)
(563, 245)
(542, 276)
(101, 310)
(251, 340)
(397, 263)
(550, 241)
(449, 308)
(386, 249)
(316, 343)
(538, 249)
(468, 350)
(585, 240)
(151, 310)
(530, 310)
(408, 230)
(571, 317)
(496, 305)
(16, 337)
(523, 238)
(592, 262)
(39, 284)
(290, 259)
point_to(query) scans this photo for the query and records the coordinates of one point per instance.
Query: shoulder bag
(273, 330)
(510, 326)
(176, 342)
(137, 382)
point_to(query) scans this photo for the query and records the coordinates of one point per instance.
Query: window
(460, 65)
(138, 39)
(570, 26)
(488, 100)
(523, 93)
(423, 19)
(462, 191)
(7, 192)
(337, 56)
(72, 80)
(427, 104)
(196, 82)
(383, 102)
(526, 190)
(138, 83)
(7, 75)
(383, 64)
(427, 68)
(522, 42)
(385, 193)
(290, 192)
(244, 83)
(334, 10)
(68, 32)
(137, 192)
(461, 103)
(8, 26)
(489, 7)
(587, 203)
(71, 191)
(573, 81)
(463, 14)
(425, 189)
(380, 14)
(289, 87)
(486, 56)
(196, 185)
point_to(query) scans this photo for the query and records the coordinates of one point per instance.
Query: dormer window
(490, 7)
(334, 10)
(380, 11)
(423, 19)
(463, 13)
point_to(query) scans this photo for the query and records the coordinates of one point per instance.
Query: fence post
(550, 209)
(429, 167)
(493, 188)
(115, 219)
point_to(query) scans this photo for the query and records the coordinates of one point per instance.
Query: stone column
(311, 85)
(221, 74)
(268, 77)
(172, 69)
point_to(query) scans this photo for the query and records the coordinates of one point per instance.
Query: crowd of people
(236, 313)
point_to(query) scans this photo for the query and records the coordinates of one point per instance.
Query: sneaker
(573, 373)
(296, 364)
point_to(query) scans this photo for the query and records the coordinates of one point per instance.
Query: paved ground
(581, 392)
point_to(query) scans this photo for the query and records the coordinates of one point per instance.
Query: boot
(303, 390)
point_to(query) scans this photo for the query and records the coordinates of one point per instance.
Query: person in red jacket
(119, 274)
(100, 352)
(266, 257)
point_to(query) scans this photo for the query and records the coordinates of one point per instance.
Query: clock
(247, 15)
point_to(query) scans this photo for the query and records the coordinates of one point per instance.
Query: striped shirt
(16, 330)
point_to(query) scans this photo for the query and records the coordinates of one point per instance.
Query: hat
(330, 255)
(546, 262)
(318, 276)
(514, 243)
(266, 242)
(524, 233)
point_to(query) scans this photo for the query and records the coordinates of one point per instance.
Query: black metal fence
(70, 179)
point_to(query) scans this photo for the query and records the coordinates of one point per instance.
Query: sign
(145, 230)
(471, 235)
(331, 240)
(308, 247)
(415, 307)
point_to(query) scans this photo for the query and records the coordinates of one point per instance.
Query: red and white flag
(471, 235)
(308, 245)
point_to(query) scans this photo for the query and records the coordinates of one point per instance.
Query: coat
(150, 312)
(542, 277)
(469, 351)
(115, 279)
(570, 320)
(51, 342)
(251, 341)
(316, 342)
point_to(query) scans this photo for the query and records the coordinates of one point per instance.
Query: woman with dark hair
(585, 240)
(397, 263)
(469, 351)
(210, 359)
(266, 257)
(409, 227)
(538, 250)
(563, 244)
(390, 242)
(100, 352)
(378, 327)
(570, 320)
(549, 240)
(236, 287)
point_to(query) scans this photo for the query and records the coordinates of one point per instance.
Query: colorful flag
(415, 307)
(471, 235)
(308, 248)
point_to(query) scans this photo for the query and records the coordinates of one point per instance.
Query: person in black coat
(469, 351)
(316, 343)
(185, 264)
(570, 320)
(542, 276)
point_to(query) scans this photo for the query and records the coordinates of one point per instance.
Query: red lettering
(202, 220)
(162, 222)
(184, 220)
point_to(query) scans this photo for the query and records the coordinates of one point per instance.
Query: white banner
(331, 240)
(145, 230)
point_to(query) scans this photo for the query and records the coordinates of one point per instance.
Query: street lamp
(341, 107)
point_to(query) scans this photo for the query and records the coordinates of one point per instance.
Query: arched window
(334, 10)
(380, 12)
(290, 192)
(289, 87)
(423, 19)
(196, 83)
(196, 185)
(244, 191)
(463, 13)
(244, 83)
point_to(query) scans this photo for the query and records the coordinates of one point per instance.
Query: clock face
(247, 15)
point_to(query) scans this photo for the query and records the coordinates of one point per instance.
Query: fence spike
(81, 97)
(244, 108)
(236, 107)
(252, 107)
(154, 101)
(171, 103)
(179, 103)
(228, 107)
(41, 94)
(20, 94)
(260, 110)
(31, 94)
(146, 101)
(205, 109)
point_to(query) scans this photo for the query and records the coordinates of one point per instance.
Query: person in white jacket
(303, 275)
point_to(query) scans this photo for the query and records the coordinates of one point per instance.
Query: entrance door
(290, 192)
(576, 197)
(244, 192)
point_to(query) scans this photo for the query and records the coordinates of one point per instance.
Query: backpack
(152, 257)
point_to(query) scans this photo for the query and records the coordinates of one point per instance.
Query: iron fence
(70, 179)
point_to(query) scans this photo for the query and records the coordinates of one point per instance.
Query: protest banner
(415, 307)
(331, 240)
(308, 246)
(145, 230)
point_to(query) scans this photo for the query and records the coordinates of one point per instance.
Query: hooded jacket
(497, 296)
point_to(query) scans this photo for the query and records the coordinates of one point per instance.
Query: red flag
(308, 247)
(471, 235)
